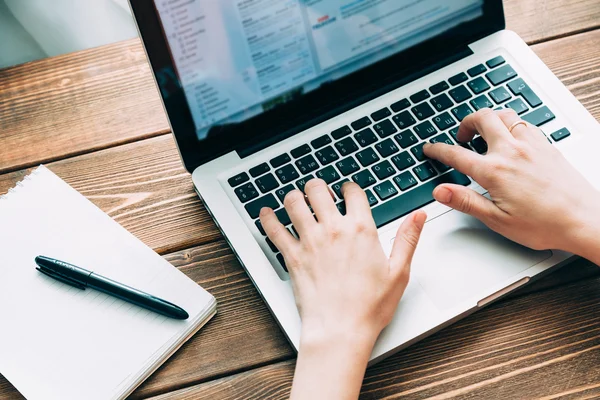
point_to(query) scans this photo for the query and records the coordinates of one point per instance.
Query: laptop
(264, 95)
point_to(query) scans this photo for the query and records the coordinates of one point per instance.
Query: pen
(82, 278)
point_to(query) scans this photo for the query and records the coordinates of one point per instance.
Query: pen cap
(64, 269)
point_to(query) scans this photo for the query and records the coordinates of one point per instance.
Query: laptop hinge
(417, 72)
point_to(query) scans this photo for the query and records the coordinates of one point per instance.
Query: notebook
(60, 342)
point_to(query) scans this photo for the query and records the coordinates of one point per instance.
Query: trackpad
(459, 257)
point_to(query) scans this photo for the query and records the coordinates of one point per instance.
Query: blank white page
(59, 342)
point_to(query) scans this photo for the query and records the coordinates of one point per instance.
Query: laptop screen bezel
(312, 108)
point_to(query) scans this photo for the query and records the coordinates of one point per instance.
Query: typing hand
(538, 198)
(346, 288)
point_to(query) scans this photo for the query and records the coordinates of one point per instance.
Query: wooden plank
(537, 21)
(243, 335)
(544, 344)
(145, 188)
(98, 98)
(76, 103)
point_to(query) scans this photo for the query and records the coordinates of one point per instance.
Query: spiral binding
(19, 184)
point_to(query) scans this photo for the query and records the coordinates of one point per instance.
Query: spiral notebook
(60, 342)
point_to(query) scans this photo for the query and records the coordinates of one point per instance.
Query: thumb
(467, 201)
(405, 244)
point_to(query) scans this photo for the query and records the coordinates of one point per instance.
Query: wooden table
(95, 119)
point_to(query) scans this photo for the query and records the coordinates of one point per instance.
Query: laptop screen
(236, 59)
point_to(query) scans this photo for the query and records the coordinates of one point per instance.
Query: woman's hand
(537, 198)
(346, 288)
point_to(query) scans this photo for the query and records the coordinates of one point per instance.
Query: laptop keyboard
(383, 152)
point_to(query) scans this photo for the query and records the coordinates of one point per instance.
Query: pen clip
(61, 278)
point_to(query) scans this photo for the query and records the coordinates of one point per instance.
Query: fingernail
(420, 217)
(427, 145)
(443, 195)
(264, 211)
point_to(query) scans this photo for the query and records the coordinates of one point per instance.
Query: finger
(465, 161)
(356, 200)
(469, 202)
(275, 230)
(298, 211)
(485, 122)
(320, 200)
(405, 245)
(524, 132)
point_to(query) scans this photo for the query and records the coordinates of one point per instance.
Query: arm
(346, 288)
(537, 198)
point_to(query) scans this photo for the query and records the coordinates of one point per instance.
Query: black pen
(82, 278)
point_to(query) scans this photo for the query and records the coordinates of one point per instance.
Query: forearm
(331, 368)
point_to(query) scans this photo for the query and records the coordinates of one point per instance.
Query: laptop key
(403, 161)
(476, 70)
(400, 105)
(444, 121)
(361, 123)
(386, 148)
(300, 183)
(246, 192)
(320, 141)
(328, 174)
(453, 132)
(494, 62)
(367, 157)
(425, 171)
(399, 206)
(271, 245)
(365, 137)
(480, 102)
(307, 164)
(238, 179)
(499, 95)
(404, 120)
(383, 170)
(371, 198)
(480, 145)
(501, 75)
(423, 111)
(405, 181)
(440, 166)
(419, 96)
(385, 190)
(441, 102)
(460, 94)
(417, 151)
(287, 173)
(337, 187)
(300, 151)
(326, 155)
(341, 206)
(253, 208)
(461, 111)
(519, 87)
(458, 79)
(560, 134)
(283, 217)
(385, 128)
(346, 146)
(266, 183)
(478, 85)
(281, 192)
(406, 139)
(347, 166)
(443, 138)
(259, 170)
(381, 114)
(260, 227)
(439, 87)
(364, 178)
(341, 132)
(518, 105)
(281, 261)
(280, 160)
(425, 130)
(539, 117)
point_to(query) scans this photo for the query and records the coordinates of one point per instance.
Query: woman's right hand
(537, 198)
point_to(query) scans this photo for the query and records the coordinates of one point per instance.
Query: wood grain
(144, 187)
(77, 103)
(542, 345)
(98, 98)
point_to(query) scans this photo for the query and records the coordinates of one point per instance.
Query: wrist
(583, 234)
